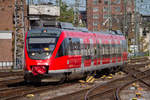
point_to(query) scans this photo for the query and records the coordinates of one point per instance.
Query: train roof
(64, 26)
(52, 31)
(44, 32)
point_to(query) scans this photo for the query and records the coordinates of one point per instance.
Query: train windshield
(40, 48)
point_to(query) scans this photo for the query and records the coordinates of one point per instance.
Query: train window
(62, 51)
(118, 50)
(101, 49)
(87, 51)
(107, 50)
(95, 50)
(124, 46)
(92, 50)
(74, 46)
(113, 50)
(98, 50)
(82, 47)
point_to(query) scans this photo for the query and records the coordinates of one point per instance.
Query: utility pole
(125, 17)
(109, 15)
(135, 28)
(76, 12)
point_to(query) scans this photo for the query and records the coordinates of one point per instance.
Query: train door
(100, 51)
(110, 50)
(96, 53)
(60, 61)
(82, 54)
(87, 53)
(113, 56)
(106, 51)
(116, 51)
(124, 50)
(119, 51)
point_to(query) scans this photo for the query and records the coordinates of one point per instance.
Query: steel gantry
(19, 34)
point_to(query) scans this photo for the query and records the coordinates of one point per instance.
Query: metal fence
(4, 65)
(9, 65)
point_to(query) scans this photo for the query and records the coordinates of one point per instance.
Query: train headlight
(47, 53)
(33, 54)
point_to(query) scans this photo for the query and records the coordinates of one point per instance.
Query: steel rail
(129, 75)
(136, 79)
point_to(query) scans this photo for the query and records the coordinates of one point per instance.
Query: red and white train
(58, 54)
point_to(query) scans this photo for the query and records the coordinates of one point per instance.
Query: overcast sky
(143, 7)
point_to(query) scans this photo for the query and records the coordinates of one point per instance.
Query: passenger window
(74, 46)
(61, 50)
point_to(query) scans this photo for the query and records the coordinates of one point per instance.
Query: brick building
(6, 14)
(6, 58)
(7, 31)
(98, 13)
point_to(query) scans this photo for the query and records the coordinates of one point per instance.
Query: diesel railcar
(56, 54)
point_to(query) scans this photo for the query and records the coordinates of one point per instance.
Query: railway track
(12, 90)
(107, 91)
(20, 90)
(8, 74)
(138, 78)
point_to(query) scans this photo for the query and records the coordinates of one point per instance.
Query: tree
(66, 13)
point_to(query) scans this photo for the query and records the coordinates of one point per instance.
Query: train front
(39, 47)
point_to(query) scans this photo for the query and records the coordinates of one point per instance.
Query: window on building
(95, 29)
(105, 16)
(95, 9)
(116, 2)
(106, 2)
(95, 2)
(117, 9)
(95, 23)
(95, 16)
(105, 9)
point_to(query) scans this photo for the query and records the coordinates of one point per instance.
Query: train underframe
(29, 77)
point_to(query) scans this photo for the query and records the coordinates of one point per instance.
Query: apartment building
(105, 14)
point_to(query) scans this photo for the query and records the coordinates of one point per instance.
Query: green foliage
(66, 13)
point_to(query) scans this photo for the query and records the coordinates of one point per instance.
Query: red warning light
(44, 31)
